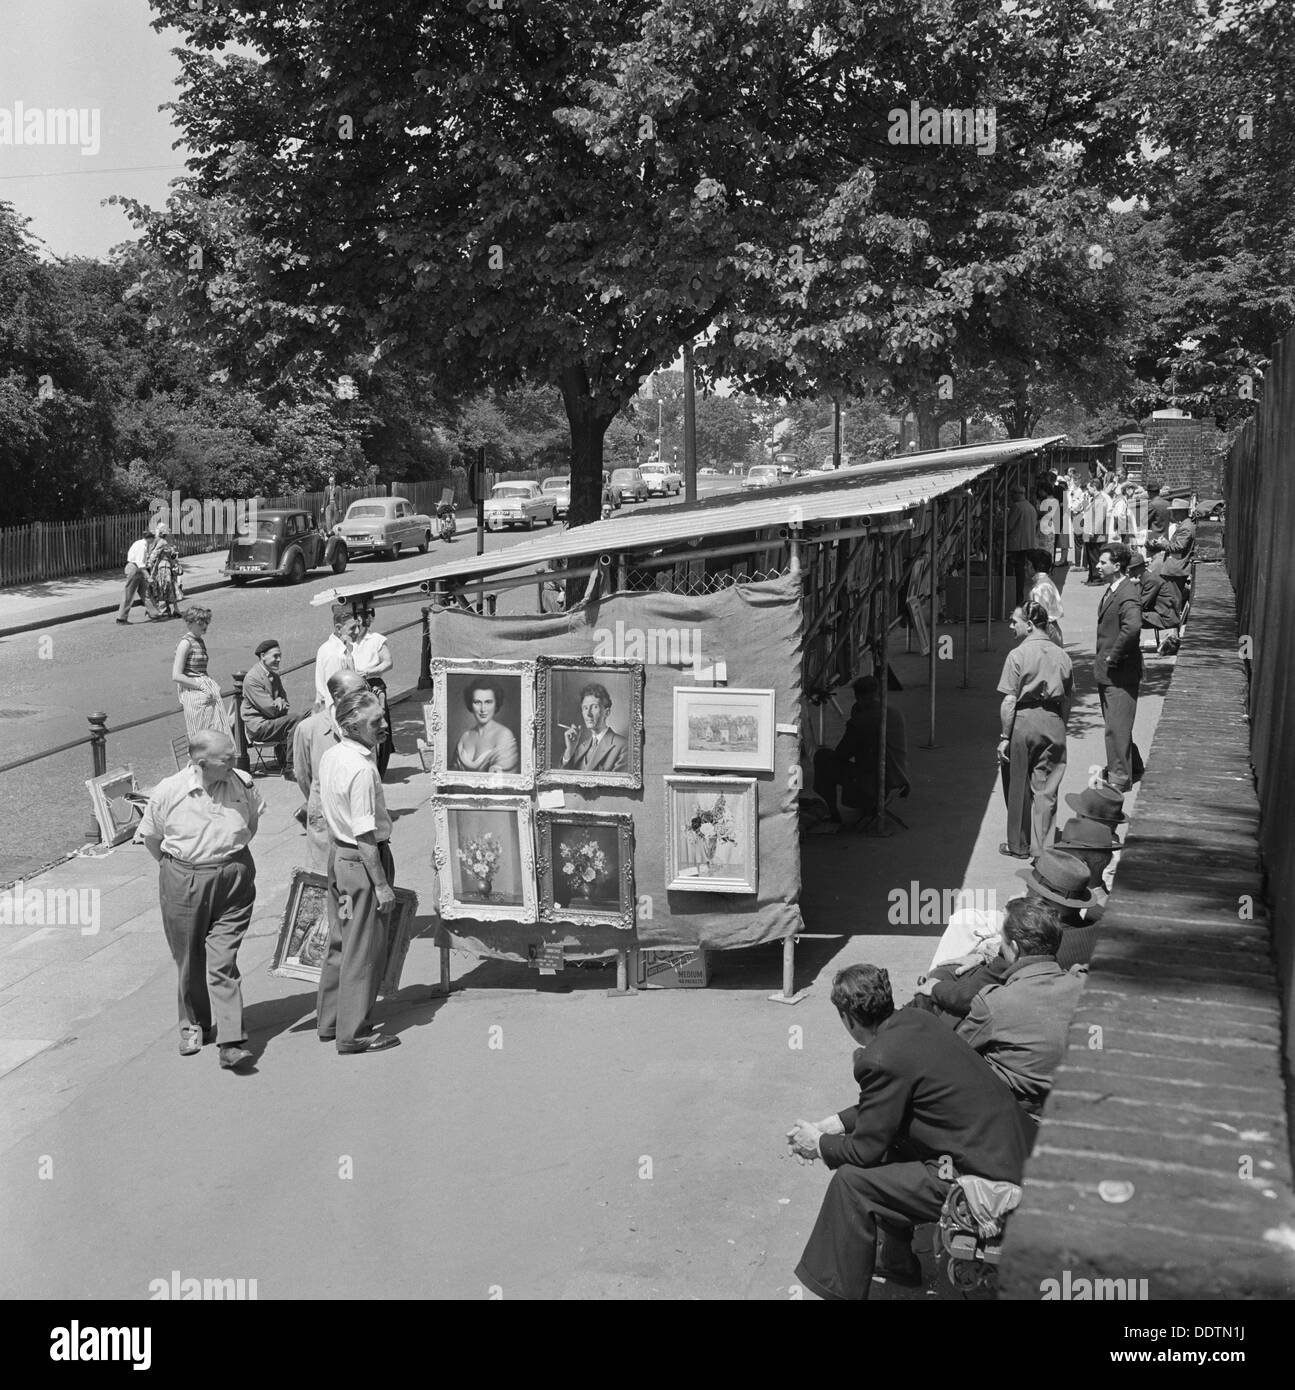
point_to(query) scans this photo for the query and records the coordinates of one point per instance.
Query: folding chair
(180, 751)
(257, 751)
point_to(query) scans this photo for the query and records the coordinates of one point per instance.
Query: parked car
(283, 545)
(708, 472)
(761, 475)
(631, 483)
(661, 479)
(559, 489)
(381, 525)
(519, 504)
(614, 488)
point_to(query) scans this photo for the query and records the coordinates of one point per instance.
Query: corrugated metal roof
(874, 489)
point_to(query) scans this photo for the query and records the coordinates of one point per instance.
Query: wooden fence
(60, 549)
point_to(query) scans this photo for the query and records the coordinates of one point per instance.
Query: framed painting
(481, 724)
(484, 854)
(118, 804)
(585, 867)
(712, 835)
(303, 933)
(589, 722)
(722, 730)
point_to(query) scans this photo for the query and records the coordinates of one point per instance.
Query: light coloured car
(559, 489)
(661, 479)
(708, 472)
(761, 475)
(631, 485)
(382, 525)
(519, 504)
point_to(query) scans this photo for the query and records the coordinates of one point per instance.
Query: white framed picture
(484, 852)
(481, 724)
(723, 730)
(712, 836)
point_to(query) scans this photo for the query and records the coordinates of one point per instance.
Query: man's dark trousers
(136, 586)
(352, 969)
(205, 914)
(1119, 709)
(1020, 563)
(842, 1249)
(1037, 756)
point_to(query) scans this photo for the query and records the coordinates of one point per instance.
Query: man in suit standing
(596, 747)
(930, 1111)
(1096, 518)
(265, 704)
(1118, 662)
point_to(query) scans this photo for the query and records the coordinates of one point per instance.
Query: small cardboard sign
(548, 957)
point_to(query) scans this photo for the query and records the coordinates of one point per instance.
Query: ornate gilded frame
(437, 723)
(622, 917)
(453, 908)
(591, 666)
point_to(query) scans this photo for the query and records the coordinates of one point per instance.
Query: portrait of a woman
(486, 745)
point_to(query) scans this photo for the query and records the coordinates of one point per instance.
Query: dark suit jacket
(261, 687)
(1119, 628)
(1177, 563)
(612, 754)
(921, 1083)
(1158, 519)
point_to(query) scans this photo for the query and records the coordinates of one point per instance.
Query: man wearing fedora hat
(1160, 599)
(1090, 841)
(1100, 803)
(1117, 665)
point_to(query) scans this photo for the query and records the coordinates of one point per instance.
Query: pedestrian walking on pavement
(198, 826)
(360, 877)
(1037, 686)
(1117, 664)
(199, 693)
(137, 581)
(1022, 538)
(313, 737)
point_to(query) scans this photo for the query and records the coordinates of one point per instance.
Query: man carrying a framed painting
(198, 826)
(592, 745)
(360, 876)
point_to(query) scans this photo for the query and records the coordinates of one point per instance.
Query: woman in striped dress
(199, 694)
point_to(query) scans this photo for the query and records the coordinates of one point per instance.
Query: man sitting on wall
(852, 765)
(1018, 1023)
(930, 1111)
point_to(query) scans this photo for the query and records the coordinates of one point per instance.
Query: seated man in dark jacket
(852, 765)
(930, 1111)
(265, 704)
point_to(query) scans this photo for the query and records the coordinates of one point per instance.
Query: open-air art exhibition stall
(625, 774)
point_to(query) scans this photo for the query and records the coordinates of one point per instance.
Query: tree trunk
(928, 425)
(588, 426)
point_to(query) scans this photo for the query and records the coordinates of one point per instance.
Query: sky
(95, 56)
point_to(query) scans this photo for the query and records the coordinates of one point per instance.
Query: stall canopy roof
(869, 490)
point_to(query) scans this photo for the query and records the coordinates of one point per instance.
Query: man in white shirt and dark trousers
(372, 657)
(337, 652)
(360, 875)
(137, 581)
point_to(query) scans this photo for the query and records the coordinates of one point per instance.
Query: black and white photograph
(585, 864)
(480, 724)
(589, 720)
(485, 857)
(769, 523)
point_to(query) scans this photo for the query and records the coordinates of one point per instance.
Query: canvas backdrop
(755, 629)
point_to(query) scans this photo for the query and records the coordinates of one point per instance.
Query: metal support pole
(241, 761)
(933, 635)
(836, 432)
(787, 994)
(425, 660)
(989, 560)
(966, 589)
(877, 825)
(1007, 506)
(98, 761)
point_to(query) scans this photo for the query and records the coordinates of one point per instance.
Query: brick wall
(1185, 454)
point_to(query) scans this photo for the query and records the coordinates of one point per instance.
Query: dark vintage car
(285, 545)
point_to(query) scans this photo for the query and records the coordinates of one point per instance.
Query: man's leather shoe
(1006, 849)
(190, 1041)
(232, 1056)
(378, 1044)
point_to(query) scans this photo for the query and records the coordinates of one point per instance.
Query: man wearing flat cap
(265, 704)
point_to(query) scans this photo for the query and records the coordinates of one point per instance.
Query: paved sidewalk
(28, 607)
